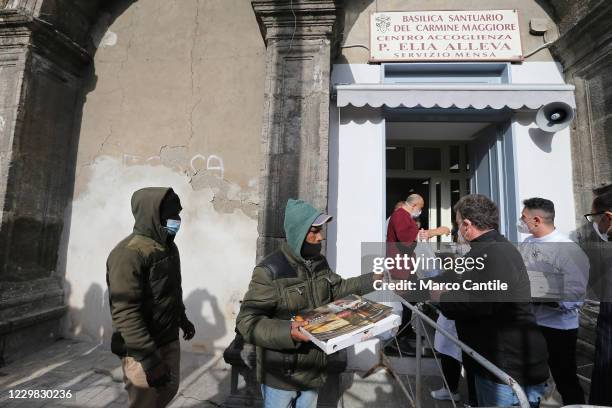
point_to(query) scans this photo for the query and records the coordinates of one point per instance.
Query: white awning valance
(478, 96)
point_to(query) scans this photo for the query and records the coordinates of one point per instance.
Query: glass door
(438, 171)
(491, 173)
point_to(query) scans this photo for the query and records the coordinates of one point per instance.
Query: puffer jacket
(143, 274)
(283, 285)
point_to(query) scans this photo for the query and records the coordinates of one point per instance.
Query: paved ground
(93, 375)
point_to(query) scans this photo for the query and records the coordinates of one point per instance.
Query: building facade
(240, 105)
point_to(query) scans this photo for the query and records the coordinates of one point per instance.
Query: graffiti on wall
(203, 172)
(196, 164)
(213, 163)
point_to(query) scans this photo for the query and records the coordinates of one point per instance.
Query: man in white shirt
(548, 250)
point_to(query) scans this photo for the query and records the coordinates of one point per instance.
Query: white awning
(478, 96)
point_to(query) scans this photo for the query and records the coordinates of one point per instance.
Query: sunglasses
(591, 217)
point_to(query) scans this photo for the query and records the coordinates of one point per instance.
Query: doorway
(452, 153)
(436, 170)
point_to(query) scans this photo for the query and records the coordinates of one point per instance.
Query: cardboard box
(347, 321)
(349, 339)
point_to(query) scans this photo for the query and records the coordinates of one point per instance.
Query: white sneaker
(443, 395)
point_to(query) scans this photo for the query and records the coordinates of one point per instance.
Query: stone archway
(46, 50)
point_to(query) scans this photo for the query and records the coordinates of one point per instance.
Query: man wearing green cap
(294, 278)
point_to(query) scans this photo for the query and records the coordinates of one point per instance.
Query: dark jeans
(562, 362)
(451, 369)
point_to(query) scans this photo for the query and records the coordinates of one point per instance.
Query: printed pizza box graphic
(347, 321)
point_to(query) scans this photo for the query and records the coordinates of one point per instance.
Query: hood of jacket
(146, 204)
(299, 216)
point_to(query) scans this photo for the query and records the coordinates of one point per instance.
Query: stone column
(299, 43)
(40, 85)
(585, 51)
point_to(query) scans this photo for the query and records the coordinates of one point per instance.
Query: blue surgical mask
(172, 226)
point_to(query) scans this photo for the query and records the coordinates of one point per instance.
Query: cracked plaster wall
(175, 99)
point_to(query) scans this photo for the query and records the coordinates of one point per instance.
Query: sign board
(475, 35)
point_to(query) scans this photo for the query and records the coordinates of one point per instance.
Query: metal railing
(493, 369)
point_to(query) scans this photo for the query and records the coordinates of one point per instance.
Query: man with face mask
(549, 251)
(146, 299)
(601, 376)
(601, 217)
(292, 279)
(498, 324)
(403, 232)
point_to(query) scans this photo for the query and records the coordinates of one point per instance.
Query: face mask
(310, 250)
(172, 226)
(601, 235)
(522, 227)
(463, 245)
(460, 238)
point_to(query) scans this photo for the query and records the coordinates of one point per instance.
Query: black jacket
(497, 324)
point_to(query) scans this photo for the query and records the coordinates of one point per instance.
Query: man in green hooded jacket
(143, 274)
(292, 279)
